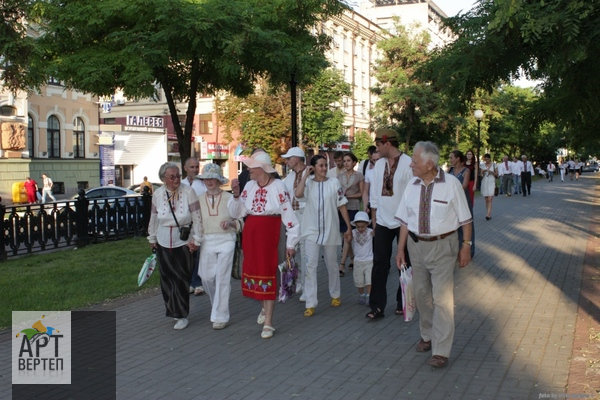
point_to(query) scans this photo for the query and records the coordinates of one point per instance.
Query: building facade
(52, 131)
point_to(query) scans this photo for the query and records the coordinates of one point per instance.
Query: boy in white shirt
(362, 244)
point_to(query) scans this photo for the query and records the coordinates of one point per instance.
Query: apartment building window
(78, 138)
(8, 111)
(30, 137)
(53, 137)
(53, 81)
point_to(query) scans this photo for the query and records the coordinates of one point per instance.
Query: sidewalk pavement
(516, 314)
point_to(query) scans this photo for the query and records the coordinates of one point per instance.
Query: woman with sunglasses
(175, 210)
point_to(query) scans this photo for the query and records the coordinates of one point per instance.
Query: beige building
(425, 13)
(52, 131)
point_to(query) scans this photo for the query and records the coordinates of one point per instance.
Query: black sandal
(375, 314)
(342, 271)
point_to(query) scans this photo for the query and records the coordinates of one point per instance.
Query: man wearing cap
(390, 177)
(432, 208)
(296, 162)
(192, 167)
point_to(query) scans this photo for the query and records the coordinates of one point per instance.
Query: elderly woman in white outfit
(324, 197)
(218, 243)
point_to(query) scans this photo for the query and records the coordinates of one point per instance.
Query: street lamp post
(478, 116)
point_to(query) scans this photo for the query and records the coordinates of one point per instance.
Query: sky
(453, 7)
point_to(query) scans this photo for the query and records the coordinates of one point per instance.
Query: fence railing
(33, 228)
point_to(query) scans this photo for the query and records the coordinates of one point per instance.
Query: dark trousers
(526, 182)
(382, 253)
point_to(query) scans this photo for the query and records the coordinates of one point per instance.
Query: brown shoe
(438, 361)
(423, 346)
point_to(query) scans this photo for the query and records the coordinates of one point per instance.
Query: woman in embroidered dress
(266, 204)
(174, 204)
(488, 183)
(352, 187)
(463, 174)
(218, 243)
(324, 198)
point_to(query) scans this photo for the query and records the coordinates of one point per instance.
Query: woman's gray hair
(429, 151)
(163, 169)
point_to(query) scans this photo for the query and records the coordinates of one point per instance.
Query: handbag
(184, 232)
(236, 269)
(409, 306)
(496, 190)
(147, 269)
(288, 273)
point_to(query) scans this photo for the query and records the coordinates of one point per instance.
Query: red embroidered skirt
(260, 240)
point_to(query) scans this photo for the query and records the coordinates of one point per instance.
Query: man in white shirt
(526, 175)
(296, 162)
(338, 159)
(192, 168)
(517, 168)
(551, 168)
(432, 208)
(505, 169)
(390, 177)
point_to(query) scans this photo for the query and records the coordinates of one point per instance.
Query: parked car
(136, 188)
(103, 192)
(590, 167)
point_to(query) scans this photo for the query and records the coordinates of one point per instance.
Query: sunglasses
(173, 177)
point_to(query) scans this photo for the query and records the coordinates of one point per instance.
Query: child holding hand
(362, 244)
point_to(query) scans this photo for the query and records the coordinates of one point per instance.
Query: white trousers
(310, 276)
(300, 251)
(433, 283)
(216, 260)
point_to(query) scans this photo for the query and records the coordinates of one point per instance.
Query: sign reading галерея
(41, 347)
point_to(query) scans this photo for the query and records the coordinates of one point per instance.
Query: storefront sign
(213, 150)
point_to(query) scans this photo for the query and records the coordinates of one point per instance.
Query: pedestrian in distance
(551, 168)
(47, 188)
(462, 173)
(488, 182)
(324, 197)
(432, 208)
(31, 189)
(175, 232)
(265, 203)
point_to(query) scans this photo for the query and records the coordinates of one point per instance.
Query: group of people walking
(412, 201)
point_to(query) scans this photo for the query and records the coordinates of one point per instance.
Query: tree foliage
(409, 104)
(556, 41)
(322, 118)
(362, 141)
(186, 46)
(261, 119)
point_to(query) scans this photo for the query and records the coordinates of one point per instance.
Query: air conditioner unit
(120, 102)
(43, 154)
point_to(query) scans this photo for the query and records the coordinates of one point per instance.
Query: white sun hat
(262, 160)
(360, 216)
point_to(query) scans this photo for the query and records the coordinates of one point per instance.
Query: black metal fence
(35, 228)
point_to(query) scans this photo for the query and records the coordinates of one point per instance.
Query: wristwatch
(469, 242)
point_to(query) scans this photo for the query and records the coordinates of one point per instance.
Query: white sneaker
(182, 323)
(262, 317)
(199, 291)
(192, 289)
(219, 325)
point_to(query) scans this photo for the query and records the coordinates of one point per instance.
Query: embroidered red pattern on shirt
(425, 208)
(260, 201)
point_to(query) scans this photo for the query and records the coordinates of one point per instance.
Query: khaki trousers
(433, 283)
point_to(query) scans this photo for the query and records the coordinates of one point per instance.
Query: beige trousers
(433, 283)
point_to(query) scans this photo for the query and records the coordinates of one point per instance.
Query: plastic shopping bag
(408, 299)
(288, 273)
(147, 269)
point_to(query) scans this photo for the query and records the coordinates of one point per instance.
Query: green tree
(362, 141)
(412, 106)
(555, 41)
(188, 47)
(322, 118)
(261, 119)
